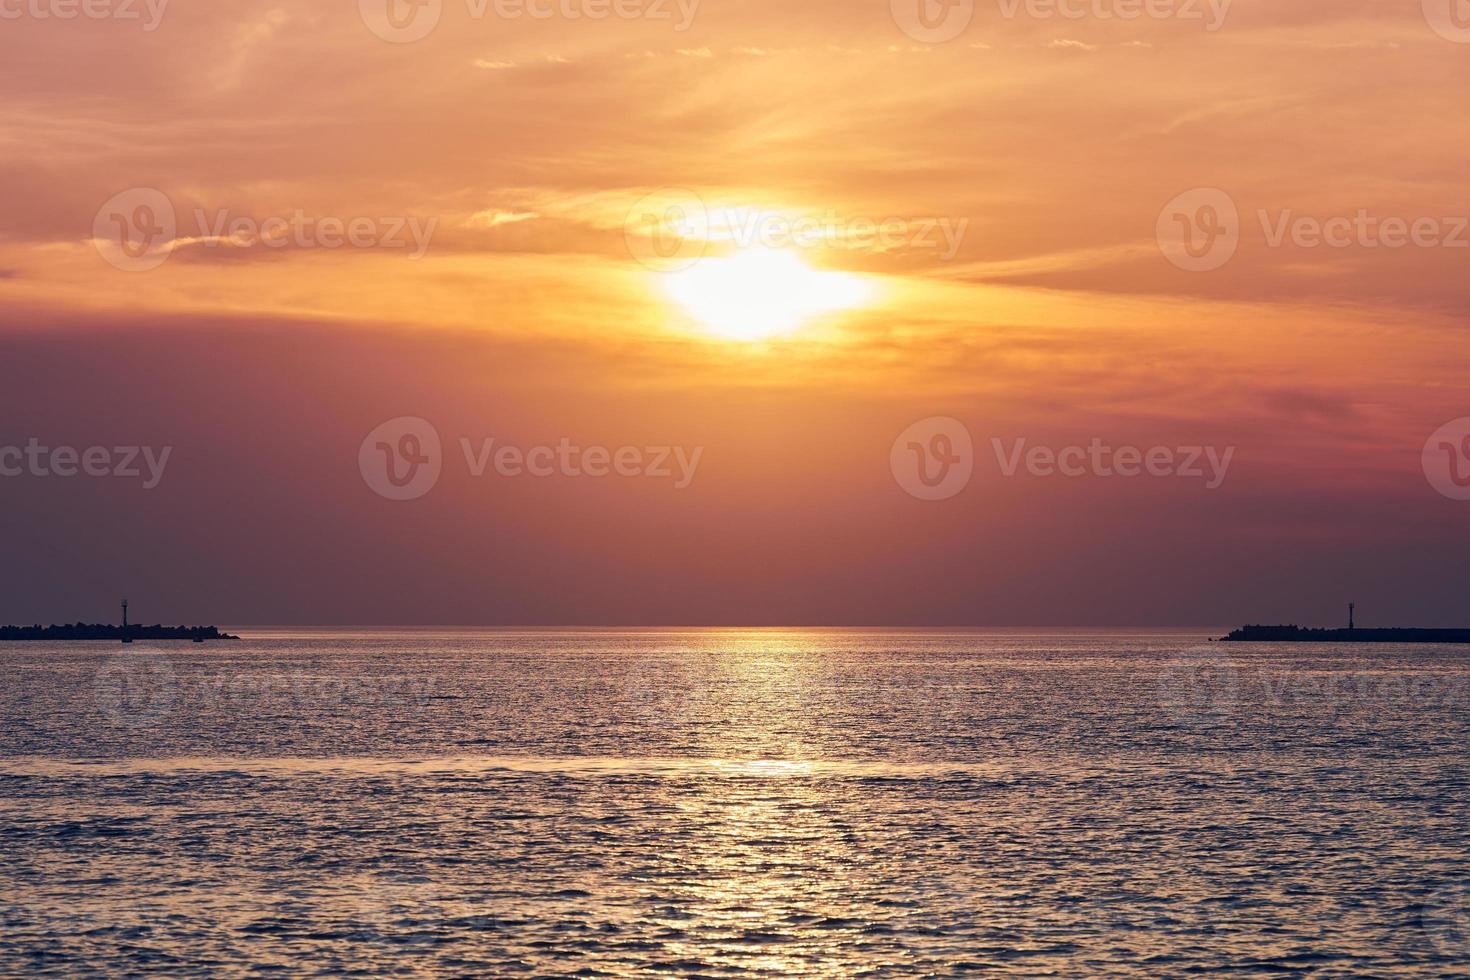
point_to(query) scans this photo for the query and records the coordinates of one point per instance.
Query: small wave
(509, 764)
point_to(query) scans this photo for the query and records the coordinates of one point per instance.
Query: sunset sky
(1026, 170)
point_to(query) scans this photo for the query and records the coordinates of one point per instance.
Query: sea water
(733, 803)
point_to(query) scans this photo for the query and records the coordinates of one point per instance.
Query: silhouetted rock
(1298, 634)
(102, 631)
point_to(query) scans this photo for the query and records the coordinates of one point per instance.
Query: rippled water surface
(734, 804)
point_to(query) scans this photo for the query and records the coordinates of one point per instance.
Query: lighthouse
(1351, 607)
(125, 637)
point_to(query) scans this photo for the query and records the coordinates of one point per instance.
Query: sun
(760, 293)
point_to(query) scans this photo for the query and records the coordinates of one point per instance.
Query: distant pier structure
(127, 632)
(1372, 634)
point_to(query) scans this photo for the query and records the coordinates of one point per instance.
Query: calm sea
(734, 803)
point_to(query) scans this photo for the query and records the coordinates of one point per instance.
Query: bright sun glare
(760, 293)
